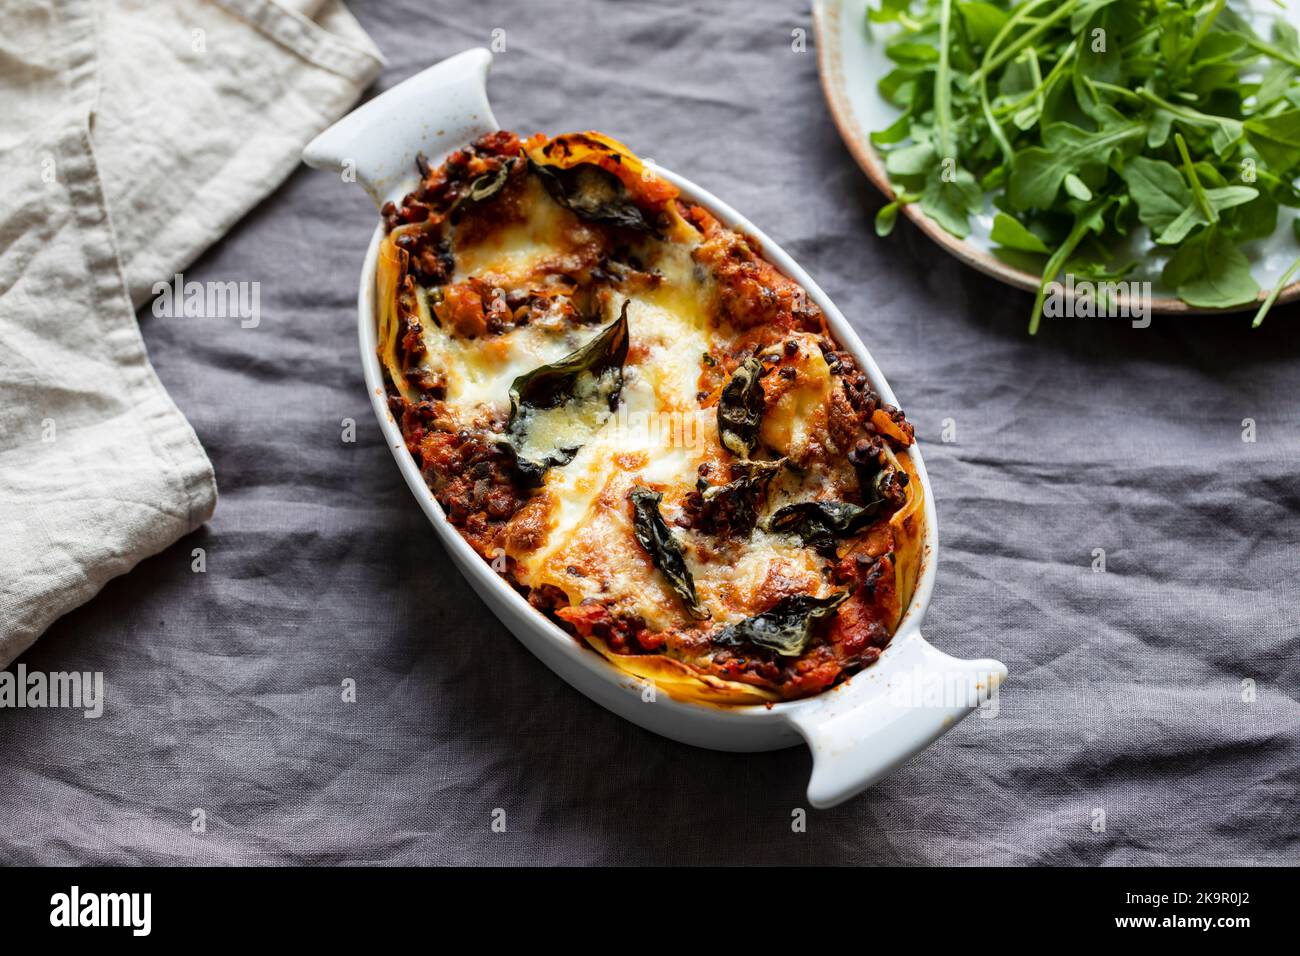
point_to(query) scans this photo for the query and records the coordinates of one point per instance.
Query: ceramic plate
(852, 59)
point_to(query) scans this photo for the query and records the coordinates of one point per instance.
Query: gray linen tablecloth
(1159, 698)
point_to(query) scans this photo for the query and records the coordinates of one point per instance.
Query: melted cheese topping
(768, 566)
(799, 414)
(658, 436)
(518, 250)
(551, 477)
(479, 371)
(566, 427)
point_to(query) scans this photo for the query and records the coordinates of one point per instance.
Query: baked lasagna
(642, 424)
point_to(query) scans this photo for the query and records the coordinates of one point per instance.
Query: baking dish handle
(856, 742)
(434, 112)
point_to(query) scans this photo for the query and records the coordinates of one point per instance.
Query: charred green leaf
(582, 388)
(483, 188)
(554, 384)
(786, 627)
(890, 487)
(878, 478)
(819, 523)
(733, 508)
(594, 194)
(531, 473)
(740, 409)
(664, 548)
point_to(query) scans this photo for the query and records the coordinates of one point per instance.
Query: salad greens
(1086, 120)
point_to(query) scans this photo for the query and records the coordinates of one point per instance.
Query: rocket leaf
(1079, 120)
(1210, 272)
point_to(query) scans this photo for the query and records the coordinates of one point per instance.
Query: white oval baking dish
(858, 732)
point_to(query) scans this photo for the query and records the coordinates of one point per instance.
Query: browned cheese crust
(642, 424)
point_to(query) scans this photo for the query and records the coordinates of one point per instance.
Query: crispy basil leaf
(531, 473)
(786, 627)
(735, 504)
(664, 548)
(819, 523)
(598, 364)
(550, 385)
(483, 188)
(890, 487)
(740, 409)
(594, 194)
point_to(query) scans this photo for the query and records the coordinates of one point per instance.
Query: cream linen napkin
(132, 135)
